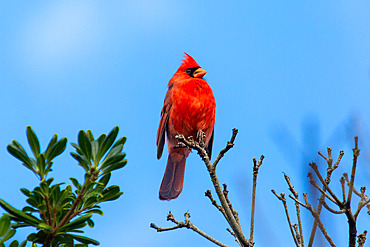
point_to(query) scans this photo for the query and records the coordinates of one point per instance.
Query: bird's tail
(173, 178)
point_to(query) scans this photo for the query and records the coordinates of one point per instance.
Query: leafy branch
(57, 213)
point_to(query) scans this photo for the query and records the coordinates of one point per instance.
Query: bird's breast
(193, 108)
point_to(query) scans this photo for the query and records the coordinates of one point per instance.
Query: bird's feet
(201, 136)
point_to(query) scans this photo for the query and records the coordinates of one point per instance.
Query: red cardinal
(189, 107)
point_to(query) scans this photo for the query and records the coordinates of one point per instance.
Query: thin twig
(332, 210)
(356, 153)
(342, 182)
(316, 170)
(235, 213)
(313, 182)
(187, 224)
(298, 211)
(229, 145)
(298, 236)
(233, 234)
(361, 204)
(214, 203)
(256, 167)
(316, 216)
(283, 200)
(345, 176)
(329, 171)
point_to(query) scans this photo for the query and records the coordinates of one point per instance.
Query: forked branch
(225, 206)
(187, 224)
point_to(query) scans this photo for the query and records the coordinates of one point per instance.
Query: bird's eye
(190, 71)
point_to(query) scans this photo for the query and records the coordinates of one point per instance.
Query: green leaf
(84, 240)
(51, 144)
(95, 211)
(113, 152)
(94, 150)
(8, 235)
(26, 192)
(81, 245)
(78, 149)
(4, 224)
(19, 214)
(14, 244)
(108, 141)
(104, 180)
(44, 188)
(101, 139)
(41, 165)
(90, 223)
(76, 223)
(23, 244)
(115, 166)
(44, 226)
(90, 201)
(29, 209)
(121, 141)
(20, 225)
(57, 148)
(81, 161)
(84, 144)
(114, 159)
(89, 135)
(110, 194)
(33, 141)
(76, 183)
(18, 152)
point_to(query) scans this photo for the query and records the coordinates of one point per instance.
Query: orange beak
(199, 73)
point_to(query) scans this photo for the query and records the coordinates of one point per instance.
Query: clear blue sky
(290, 76)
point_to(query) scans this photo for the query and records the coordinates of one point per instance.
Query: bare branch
(313, 182)
(256, 167)
(235, 213)
(233, 234)
(361, 238)
(229, 145)
(342, 182)
(214, 203)
(316, 170)
(356, 153)
(298, 211)
(329, 171)
(361, 204)
(187, 224)
(283, 200)
(332, 210)
(316, 216)
(212, 172)
(298, 236)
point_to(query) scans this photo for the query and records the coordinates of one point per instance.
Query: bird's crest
(188, 62)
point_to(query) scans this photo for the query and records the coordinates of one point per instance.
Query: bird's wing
(210, 144)
(163, 126)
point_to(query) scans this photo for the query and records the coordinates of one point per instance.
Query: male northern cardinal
(189, 108)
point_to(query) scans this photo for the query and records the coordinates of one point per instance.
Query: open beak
(199, 73)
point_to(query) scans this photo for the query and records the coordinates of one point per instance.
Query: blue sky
(292, 77)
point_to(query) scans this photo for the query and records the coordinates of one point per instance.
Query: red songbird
(189, 108)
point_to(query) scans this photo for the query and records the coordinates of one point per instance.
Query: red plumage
(189, 107)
